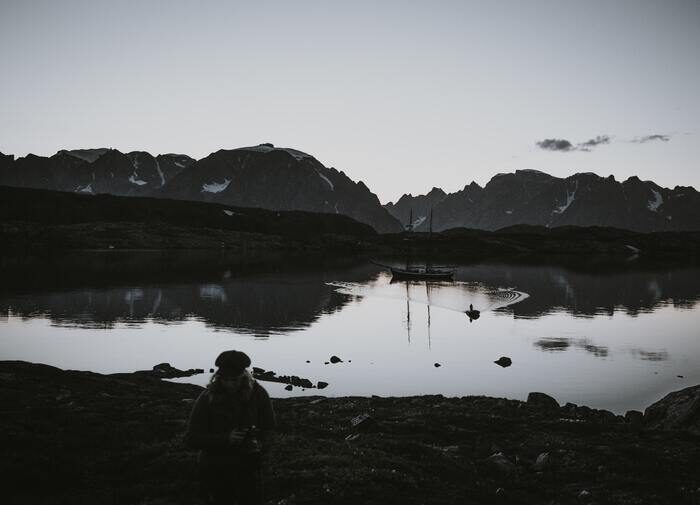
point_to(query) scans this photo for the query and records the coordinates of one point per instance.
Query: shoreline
(82, 437)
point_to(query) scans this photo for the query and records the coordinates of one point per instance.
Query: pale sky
(402, 95)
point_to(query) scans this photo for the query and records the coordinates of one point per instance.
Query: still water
(616, 339)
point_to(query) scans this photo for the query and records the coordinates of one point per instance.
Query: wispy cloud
(590, 144)
(650, 138)
(564, 145)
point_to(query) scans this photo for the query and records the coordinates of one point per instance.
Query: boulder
(336, 359)
(542, 400)
(542, 463)
(500, 463)
(679, 410)
(167, 371)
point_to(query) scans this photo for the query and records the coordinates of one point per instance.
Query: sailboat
(420, 273)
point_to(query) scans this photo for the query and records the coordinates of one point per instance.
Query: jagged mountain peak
(89, 155)
(436, 192)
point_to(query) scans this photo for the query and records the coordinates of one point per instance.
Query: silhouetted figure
(472, 314)
(231, 423)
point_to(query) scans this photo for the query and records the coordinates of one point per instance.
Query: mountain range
(262, 176)
(269, 177)
(535, 198)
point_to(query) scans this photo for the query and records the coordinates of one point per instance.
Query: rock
(321, 384)
(634, 417)
(542, 400)
(308, 361)
(362, 422)
(679, 410)
(504, 361)
(336, 359)
(500, 463)
(325, 363)
(437, 365)
(542, 463)
(167, 371)
(257, 370)
(289, 387)
(211, 370)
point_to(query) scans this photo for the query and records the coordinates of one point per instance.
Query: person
(231, 424)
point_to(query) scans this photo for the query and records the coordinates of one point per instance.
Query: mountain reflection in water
(291, 300)
(615, 339)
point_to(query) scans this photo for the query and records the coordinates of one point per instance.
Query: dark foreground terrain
(79, 437)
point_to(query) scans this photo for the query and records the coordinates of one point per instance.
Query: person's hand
(236, 437)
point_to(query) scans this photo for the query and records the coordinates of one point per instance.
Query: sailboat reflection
(408, 311)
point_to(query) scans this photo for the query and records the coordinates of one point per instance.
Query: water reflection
(260, 305)
(591, 292)
(632, 334)
(289, 300)
(557, 344)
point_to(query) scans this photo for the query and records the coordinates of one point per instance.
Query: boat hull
(401, 274)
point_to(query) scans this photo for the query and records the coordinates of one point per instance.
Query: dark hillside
(57, 208)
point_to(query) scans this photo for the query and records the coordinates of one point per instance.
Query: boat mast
(430, 237)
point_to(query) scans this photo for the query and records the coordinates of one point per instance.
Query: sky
(403, 95)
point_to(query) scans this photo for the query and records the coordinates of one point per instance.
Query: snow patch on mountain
(653, 205)
(84, 189)
(570, 197)
(330, 184)
(419, 221)
(133, 179)
(160, 173)
(215, 187)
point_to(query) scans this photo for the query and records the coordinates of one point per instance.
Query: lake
(613, 337)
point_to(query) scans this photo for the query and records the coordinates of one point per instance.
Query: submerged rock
(504, 361)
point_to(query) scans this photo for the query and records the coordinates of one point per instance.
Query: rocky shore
(80, 437)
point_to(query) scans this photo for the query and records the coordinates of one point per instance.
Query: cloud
(564, 145)
(589, 144)
(556, 145)
(649, 138)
